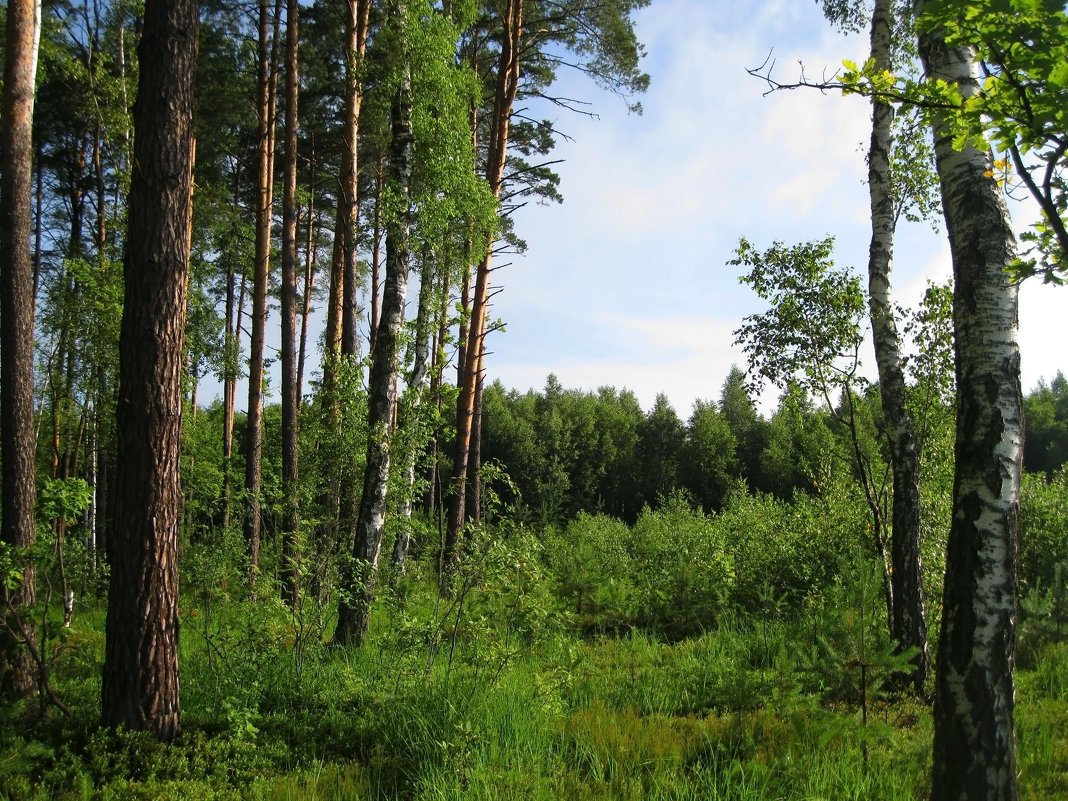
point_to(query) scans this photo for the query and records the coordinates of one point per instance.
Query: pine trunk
(140, 677)
(311, 237)
(17, 431)
(506, 88)
(261, 274)
(290, 397)
(974, 748)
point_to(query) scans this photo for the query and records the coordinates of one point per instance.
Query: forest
(386, 574)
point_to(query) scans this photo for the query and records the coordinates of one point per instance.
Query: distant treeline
(568, 451)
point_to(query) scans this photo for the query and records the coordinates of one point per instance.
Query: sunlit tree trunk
(261, 275)
(415, 389)
(974, 749)
(17, 432)
(140, 677)
(311, 238)
(506, 88)
(354, 606)
(357, 21)
(290, 397)
(908, 618)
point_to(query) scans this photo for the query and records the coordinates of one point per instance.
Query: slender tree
(974, 747)
(908, 621)
(18, 435)
(140, 679)
(505, 90)
(290, 391)
(261, 275)
(354, 610)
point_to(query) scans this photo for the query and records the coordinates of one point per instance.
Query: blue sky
(626, 283)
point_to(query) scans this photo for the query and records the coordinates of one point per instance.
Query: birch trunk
(17, 433)
(416, 381)
(908, 622)
(355, 606)
(974, 749)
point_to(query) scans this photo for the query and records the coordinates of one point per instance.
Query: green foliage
(1017, 105)
(63, 499)
(1043, 527)
(1046, 424)
(793, 550)
(811, 332)
(670, 572)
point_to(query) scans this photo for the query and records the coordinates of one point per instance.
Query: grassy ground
(440, 707)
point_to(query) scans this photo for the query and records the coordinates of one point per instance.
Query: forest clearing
(384, 573)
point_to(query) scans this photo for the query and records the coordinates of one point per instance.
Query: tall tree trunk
(140, 677)
(974, 749)
(473, 502)
(264, 204)
(908, 618)
(17, 434)
(290, 490)
(376, 253)
(310, 241)
(416, 381)
(357, 21)
(38, 224)
(355, 605)
(437, 370)
(229, 387)
(507, 85)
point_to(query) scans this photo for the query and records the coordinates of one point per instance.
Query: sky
(626, 284)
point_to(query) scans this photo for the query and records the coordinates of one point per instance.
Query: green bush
(788, 551)
(1043, 527)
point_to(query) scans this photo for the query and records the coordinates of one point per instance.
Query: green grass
(432, 710)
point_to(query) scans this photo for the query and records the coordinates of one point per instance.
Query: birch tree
(354, 606)
(429, 183)
(908, 622)
(974, 747)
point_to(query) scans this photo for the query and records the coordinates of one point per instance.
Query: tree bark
(908, 623)
(140, 677)
(311, 238)
(506, 88)
(974, 749)
(264, 204)
(290, 469)
(17, 431)
(355, 606)
(416, 381)
(357, 21)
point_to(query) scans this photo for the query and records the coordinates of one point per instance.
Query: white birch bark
(416, 382)
(354, 608)
(974, 750)
(908, 623)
